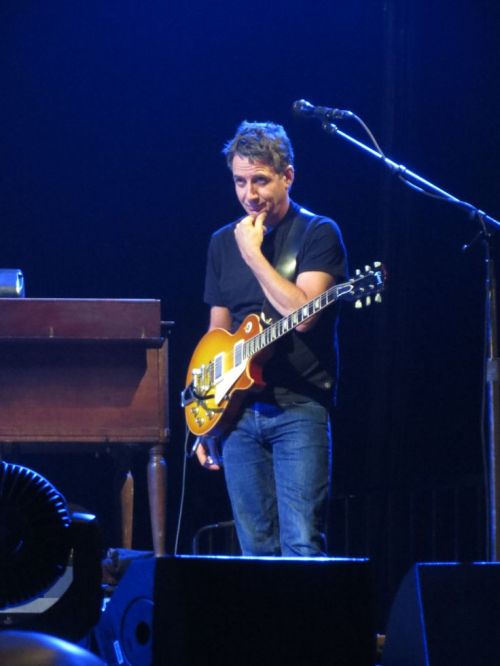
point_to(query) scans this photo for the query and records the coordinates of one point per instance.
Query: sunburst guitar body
(219, 377)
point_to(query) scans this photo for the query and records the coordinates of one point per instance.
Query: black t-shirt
(304, 365)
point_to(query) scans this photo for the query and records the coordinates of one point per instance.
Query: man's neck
(271, 224)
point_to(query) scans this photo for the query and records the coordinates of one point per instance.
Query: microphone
(324, 113)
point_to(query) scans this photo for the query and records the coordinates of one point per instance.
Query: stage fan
(35, 539)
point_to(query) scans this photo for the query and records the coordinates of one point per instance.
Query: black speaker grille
(34, 534)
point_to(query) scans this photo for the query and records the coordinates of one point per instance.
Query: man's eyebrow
(253, 176)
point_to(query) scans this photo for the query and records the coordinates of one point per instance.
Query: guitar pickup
(217, 368)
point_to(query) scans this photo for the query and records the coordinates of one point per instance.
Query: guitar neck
(278, 329)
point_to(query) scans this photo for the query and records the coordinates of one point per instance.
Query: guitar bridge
(189, 395)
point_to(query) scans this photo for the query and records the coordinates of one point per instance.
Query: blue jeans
(277, 468)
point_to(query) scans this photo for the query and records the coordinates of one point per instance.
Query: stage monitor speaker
(222, 611)
(445, 615)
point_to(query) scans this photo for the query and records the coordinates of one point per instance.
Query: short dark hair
(262, 142)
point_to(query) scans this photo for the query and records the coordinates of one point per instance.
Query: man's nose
(251, 191)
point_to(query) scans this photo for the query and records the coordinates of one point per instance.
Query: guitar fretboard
(283, 326)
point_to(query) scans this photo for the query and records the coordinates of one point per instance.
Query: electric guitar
(224, 366)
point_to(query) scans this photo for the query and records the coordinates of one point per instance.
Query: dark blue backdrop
(113, 115)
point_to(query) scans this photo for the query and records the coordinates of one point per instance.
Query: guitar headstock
(367, 283)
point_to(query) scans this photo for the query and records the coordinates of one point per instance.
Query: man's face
(260, 188)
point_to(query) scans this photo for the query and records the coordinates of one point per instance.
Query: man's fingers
(247, 221)
(259, 222)
(205, 459)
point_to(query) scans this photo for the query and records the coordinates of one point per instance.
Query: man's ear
(289, 174)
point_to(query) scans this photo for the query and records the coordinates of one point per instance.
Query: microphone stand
(492, 378)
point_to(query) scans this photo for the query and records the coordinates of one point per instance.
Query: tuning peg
(358, 304)
(358, 272)
(377, 264)
(368, 301)
(368, 268)
(378, 298)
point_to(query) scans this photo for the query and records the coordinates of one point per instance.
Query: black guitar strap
(286, 264)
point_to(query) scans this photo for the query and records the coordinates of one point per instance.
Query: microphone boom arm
(412, 179)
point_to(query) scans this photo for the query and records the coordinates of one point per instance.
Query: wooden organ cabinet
(76, 371)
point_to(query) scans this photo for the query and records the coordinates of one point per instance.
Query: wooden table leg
(157, 490)
(123, 483)
(127, 510)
